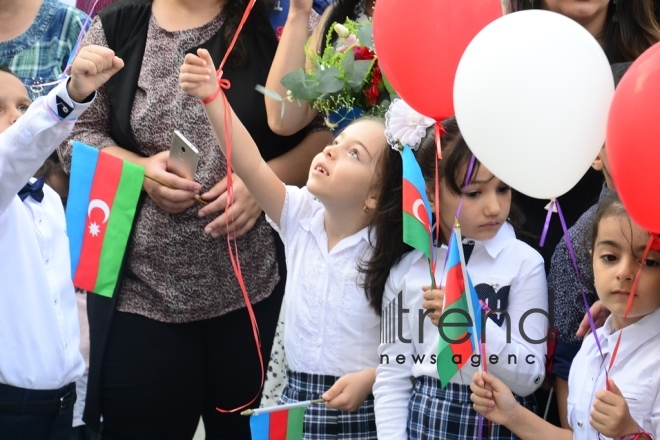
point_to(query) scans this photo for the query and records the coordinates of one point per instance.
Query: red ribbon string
(223, 83)
(439, 131)
(231, 242)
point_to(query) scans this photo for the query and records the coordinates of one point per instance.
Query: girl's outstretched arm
(290, 56)
(495, 401)
(198, 78)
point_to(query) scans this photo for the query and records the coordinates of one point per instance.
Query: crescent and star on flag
(423, 216)
(94, 228)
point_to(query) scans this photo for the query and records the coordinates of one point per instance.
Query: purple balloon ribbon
(551, 209)
(460, 205)
(571, 252)
(473, 159)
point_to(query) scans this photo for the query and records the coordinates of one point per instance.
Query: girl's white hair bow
(404, 126)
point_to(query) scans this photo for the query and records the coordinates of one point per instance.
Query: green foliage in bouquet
(344, 76)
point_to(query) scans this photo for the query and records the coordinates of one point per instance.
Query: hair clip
(405, 126)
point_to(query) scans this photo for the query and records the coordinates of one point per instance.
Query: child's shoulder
(409, 262)
(299, 206)
(524, 252)
(302, 197)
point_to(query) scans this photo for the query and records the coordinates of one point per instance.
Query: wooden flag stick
(196, 198)
(257, 411)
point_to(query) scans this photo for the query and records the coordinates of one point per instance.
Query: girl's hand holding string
(433, 300)
(350, 391)
(198, 78)
(492, 399)
(610, 414)
(197, 75)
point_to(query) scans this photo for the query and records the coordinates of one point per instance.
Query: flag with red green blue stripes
(103, 195)
(461, 322)
(279, 424)
(416, 207)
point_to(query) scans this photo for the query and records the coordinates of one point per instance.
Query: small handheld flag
(282, 422)
(459, 340)
(100, 209)
(416, 207)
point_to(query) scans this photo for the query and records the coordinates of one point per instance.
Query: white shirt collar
(634, 335)
(496, 244)
(503, 237)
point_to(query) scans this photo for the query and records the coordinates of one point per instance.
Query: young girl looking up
(331, 335)
(632, 403)
(507, 274)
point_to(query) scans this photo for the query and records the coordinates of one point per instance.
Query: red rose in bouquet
(363, 53)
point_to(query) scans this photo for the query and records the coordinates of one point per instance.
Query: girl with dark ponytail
(387, 221)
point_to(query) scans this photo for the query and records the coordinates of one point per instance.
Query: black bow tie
(35, 190)
(467, 250)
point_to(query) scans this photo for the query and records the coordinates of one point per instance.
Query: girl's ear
(371, 202)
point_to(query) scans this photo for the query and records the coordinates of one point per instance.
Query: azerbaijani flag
(280, 424)
(103, 196)
(416, 207)
(462, 299)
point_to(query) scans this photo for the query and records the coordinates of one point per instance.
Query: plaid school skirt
(434, 413)
(321, 423)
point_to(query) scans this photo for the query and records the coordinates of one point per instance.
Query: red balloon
(419, 44)
(633, 139)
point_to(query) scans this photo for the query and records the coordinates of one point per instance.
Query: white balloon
(531, 94)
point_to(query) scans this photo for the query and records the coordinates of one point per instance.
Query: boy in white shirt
(39, 332)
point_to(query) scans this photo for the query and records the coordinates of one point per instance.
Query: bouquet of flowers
(345, 76)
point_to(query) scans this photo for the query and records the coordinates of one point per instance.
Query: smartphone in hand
(183, 157)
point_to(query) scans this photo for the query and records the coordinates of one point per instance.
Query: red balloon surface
(419, 44)
(633, 139)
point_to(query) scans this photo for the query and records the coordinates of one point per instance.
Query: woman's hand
(492, 399)
(197, 76)
(599, 312)
(610, 415)
(350, 391)
(433, 299)
(170, 200)
(241, 214)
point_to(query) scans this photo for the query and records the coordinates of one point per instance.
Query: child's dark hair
(387, 221)
(454, 168)
(6, 69)
(609, 206)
